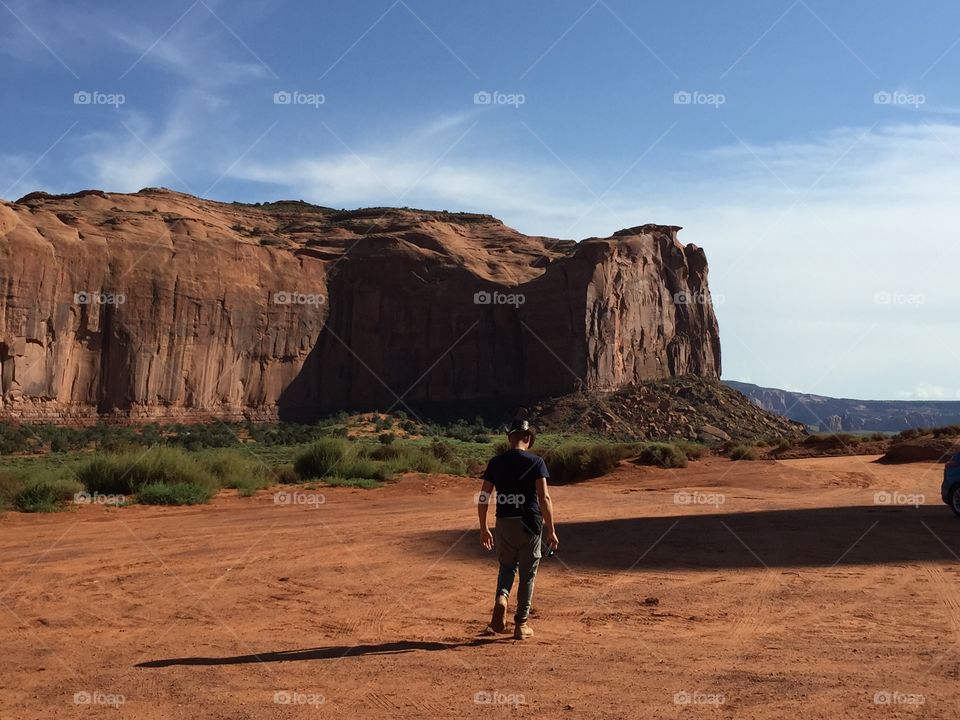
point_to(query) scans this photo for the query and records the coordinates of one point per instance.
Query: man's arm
(546, 509)
(483, 505)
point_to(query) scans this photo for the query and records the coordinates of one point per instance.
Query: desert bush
(386, 438)
(359, 468)
(783, 445)
(45, 494)
(284, 474)
(14, 439)
(571, 462)
(878, 436)
(386, 452)
(443, 451)
(176, 493)
(910, 434)
(10, 484)
(665, 455)
(946, 431)
(693, 450)
(236, 469)
(321, 458)
(127, 473)
(743, 452)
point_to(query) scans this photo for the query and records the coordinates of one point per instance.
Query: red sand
(798, 596)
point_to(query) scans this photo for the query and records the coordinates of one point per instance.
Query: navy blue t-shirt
(514, 475)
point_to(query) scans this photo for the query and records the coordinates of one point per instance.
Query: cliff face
(159, 304)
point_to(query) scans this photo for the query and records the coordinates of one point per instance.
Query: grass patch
(236, 469)
(177, 493)
(321, 458)
(575, 461)
(665, 455)
(127, 473)
(45, 494)
(334, 459)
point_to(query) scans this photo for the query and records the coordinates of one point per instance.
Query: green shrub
(15, 439)
(571, 462)
(743, 452)
(358, 468)
(878, 436)
(235, 469)
(321, 458)
(45, 494)
(178, 493)
(127, 473)
(665, 455)
(783, 445)
(386, 438)
(693, 450)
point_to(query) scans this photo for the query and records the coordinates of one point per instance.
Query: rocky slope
(688, 408)
(829, 414)
(159, 304)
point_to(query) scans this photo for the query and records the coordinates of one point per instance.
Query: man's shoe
(497, 623)
(522, 631)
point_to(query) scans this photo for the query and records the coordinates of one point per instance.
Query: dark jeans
(517, 550)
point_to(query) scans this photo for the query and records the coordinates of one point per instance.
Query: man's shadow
(332, 652)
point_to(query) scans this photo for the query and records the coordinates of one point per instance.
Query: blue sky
(810, 147)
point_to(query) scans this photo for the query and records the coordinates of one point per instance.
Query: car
(950, 490)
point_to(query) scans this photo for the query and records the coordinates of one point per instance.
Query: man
(516, 480)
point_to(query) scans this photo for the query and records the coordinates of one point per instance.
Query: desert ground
(737, 590)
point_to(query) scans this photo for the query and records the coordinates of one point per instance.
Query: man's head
(521, 435)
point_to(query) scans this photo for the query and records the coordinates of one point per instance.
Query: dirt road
(809, 589)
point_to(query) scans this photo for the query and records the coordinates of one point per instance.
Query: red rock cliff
(160, 304)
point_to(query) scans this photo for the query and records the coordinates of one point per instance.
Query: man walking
(516, 480)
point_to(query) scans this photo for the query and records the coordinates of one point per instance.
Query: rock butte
(290, 310)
